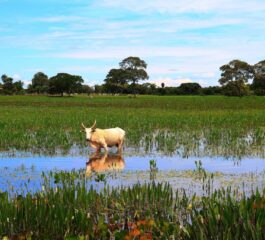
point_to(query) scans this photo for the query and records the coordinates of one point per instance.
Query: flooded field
(189, 165)
(226, 135)
(129, 168)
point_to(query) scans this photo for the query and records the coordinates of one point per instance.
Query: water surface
(139, 162)
(20, 174)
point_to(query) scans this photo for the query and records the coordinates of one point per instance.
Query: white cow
(104, 138)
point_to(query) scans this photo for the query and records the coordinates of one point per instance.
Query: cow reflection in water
(104, 162)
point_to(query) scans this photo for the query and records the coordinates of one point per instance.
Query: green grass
(190, 125)
(68, 207)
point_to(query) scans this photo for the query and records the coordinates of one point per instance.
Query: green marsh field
(188, 168)
(190, 125)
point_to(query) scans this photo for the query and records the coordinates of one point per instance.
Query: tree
(150, 88)
(162, 90)
(99, 89)
(18, 87)
(40, 83)
(258, 84)
(116, 76)
(134, 70)
(30, 89)
(115, 81)
(86, 89)
(64, 82)
(259, 68)
(190, 88)
(212, 90)
(7, 86)
(236, 73)
(236, 70)
(235, 88)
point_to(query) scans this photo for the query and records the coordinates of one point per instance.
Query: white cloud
(205, 74)
(26, 83)
(175, 82)
(162, 69)
(16, 77)
(179, 6)
(84, 69)
(122, 52)
(170, 82)
(90, 82)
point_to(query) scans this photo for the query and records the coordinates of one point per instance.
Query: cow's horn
(83, 125)
(94, 125)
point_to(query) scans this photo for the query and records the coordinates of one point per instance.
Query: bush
(211, 90)
(190, 88)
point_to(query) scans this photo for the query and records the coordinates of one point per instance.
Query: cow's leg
(96, 147)
(120, 146)
(93, 145)
(105, 147)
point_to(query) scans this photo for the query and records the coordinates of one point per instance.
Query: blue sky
(181, 41)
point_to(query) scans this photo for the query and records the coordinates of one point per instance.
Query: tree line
(238, 78)
(62, 83)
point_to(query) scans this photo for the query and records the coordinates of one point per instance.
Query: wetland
(196, 146)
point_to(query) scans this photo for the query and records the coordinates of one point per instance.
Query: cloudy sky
(181, 41)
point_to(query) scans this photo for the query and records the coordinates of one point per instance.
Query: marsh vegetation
(69, 207)
(191, 125)
(102, 198)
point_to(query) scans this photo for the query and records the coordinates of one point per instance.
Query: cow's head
(89, 131)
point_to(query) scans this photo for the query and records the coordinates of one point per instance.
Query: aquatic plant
(153, 169)
(68, 207)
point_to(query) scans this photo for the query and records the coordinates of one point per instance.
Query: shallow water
(138, 162)
(22, 174)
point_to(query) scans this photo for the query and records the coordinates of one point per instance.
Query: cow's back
(113, 136)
